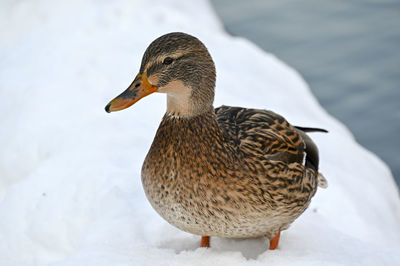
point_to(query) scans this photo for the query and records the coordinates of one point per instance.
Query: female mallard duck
(228, 172)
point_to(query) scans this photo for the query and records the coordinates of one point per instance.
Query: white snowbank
(70, 190)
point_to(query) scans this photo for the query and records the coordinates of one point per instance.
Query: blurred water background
(347, 51)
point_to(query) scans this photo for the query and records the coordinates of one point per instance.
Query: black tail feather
(312, 129)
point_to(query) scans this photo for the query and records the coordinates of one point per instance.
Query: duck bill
(139, 88)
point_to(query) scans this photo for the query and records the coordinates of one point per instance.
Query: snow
(70, 189)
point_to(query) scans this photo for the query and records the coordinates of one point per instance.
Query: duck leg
(205, 242)
(273, 243)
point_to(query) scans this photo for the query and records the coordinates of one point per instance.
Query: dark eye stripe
(156, 66)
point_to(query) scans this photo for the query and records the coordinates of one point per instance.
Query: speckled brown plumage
(227, 172)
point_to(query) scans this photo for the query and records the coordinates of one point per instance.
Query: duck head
(179, 65)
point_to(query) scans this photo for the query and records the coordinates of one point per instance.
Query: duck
(228, 172)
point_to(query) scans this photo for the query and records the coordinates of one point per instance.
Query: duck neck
(182, 106)
(179, 105)
(197, 122)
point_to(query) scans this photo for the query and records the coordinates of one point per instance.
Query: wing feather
(261, 133)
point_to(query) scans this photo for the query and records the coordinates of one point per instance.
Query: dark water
(348, 51)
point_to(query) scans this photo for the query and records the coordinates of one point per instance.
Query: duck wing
(264, 134)
(287, 154)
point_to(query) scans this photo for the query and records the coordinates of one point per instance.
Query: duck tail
(322, 182)
(312, 129)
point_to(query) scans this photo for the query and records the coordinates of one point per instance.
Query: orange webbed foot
(205, 242)
(273, 243)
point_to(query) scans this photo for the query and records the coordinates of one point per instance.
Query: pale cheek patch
(177, 89)
(178, 100)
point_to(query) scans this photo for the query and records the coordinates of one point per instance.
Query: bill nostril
(137, 85)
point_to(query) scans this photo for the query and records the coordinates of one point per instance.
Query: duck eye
(167, 61)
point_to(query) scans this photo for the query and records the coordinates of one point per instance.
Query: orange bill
(139, 88)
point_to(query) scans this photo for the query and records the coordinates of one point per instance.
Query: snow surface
(70, 189)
